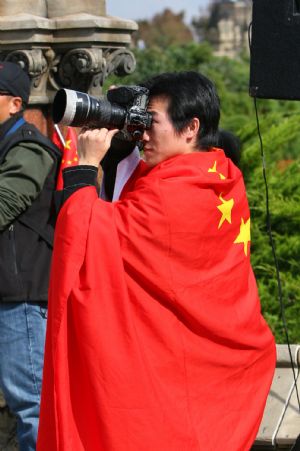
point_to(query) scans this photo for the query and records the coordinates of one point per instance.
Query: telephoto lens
(78, 109)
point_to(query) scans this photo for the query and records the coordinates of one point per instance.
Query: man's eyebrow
(153, 112)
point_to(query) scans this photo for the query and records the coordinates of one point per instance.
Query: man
(155, 339)
(28, 167)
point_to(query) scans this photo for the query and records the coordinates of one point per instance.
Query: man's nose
(145, 136)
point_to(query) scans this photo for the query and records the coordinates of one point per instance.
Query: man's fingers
(112, 133)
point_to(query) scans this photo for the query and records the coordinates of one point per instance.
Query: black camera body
(124, 108)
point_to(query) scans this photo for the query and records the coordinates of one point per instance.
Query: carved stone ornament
(36, 63)
(79, 67)
(33, 61)
(120, 62)
(75, 49)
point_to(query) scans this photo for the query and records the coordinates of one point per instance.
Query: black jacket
(26, 245)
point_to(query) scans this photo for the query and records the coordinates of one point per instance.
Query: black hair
(231, 145)
(190, 94)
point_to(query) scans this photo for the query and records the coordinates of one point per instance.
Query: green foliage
(280, 134)
(154, 60)
(279, 123)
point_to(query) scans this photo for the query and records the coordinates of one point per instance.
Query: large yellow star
(225, 208)
(244, 235)
(214, 169)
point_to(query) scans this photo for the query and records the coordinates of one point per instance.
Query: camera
(124, 108)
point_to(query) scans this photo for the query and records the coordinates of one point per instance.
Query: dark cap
(14, 80)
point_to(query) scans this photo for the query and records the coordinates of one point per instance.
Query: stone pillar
(12, 7)
(64, 44)
(66, 7)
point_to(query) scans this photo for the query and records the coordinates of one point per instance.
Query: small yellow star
(244, 235)
(225, 208)
(214, 169)
(68, 144)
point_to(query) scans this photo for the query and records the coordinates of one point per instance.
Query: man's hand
(93, 145)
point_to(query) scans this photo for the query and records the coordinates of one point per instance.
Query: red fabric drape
(155, 338)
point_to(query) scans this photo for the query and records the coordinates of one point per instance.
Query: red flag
(69, 152)
(155, 340)
(57, 140)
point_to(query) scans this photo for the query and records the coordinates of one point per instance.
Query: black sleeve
(75, 177)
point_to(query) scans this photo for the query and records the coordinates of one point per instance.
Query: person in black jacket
(28, 170)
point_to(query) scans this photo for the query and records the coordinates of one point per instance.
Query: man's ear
(15, 105)
(193, 128)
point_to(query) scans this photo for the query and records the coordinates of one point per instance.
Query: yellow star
(244, 235)
(68, 144)
(225, 208)
(214, 169)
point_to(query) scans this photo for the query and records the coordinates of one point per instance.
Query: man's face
(162, 142)
(9, 105)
